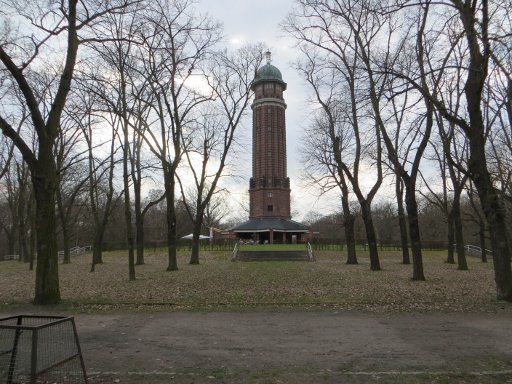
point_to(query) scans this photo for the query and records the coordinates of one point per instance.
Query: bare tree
(176, 41)
(88, 114)
(468, 23)
(402, 220)
(458, 180)
(440, 199)
(229, 76)
(68, 22)
(335, 37)
(120, 88)
(6, 153)
(323, 172)
(72, 177)
(10, 221)
(478, 217)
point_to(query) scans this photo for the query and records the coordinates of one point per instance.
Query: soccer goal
(40, 349)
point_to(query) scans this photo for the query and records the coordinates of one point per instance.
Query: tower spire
(268, 55)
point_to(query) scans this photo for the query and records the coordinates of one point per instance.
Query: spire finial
(268, 55)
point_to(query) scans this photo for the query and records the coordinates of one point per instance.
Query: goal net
(40, 349)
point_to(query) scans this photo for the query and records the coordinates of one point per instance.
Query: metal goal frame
(32, 366)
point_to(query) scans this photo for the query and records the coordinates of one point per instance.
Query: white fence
(75, 251)
(474, 250)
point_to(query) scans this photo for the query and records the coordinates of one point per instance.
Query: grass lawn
(218, 283)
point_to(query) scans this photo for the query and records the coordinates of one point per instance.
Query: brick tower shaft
(269, 189)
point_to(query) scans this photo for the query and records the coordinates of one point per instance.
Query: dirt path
(297, 347)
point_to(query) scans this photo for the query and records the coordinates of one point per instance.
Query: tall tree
(323, 172)
(176, 42)
(440, 199)
(402, 219)
(42, 23)
(229, 76)
(334, 36)
(72, 177)
(478, 217)
(88, 114)
(473, 28)
(119, 87)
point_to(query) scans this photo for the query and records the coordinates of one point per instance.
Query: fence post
(79, 350)
(14, 352)
(33, 358)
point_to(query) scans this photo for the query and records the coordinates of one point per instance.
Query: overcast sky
(258, 21)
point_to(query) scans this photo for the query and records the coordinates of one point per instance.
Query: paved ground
(297, 347)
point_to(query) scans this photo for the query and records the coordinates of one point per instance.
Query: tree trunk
(139, 224)
(32, 249)
(97, 251)
(22, 221)
(196, 233)
(64, 228)
(451, 238)
(139, 227)
(66, 243)
(129, 231)
(402, 222)
(14, 231)
(127, 206)
(44, 178)
(32, 236)
(459, 237)
(490, 199)
(496, 218)
(370, 235)
(137, 181)
(10, 242)
(171, 220)
(414, 231)
(491, 202)
(25, 256)
(20, 240)
(350, 238)
(97, 248)
(348, 225)
(481, 233)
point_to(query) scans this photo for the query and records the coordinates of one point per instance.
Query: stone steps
(272, 255)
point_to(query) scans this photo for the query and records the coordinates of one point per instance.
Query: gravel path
(296, 347)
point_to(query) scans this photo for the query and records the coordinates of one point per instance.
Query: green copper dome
(268, 72)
